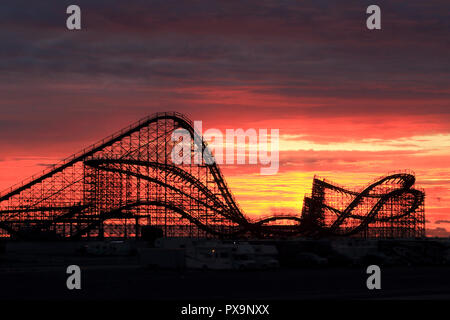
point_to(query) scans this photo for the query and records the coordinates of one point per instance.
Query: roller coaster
(127, 182)
(388, 207)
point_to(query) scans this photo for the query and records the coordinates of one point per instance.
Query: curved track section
(388, 207)
(128, 182)
(130, 172)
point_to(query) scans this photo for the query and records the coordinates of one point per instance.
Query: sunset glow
(350, 106)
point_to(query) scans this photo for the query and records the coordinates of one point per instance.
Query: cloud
(309, 68)
(289, 48)
(437, 232)
(442, 222)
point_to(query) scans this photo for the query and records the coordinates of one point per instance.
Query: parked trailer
(218, 255)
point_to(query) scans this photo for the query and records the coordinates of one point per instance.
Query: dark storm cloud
(134, 51)
(312, 45)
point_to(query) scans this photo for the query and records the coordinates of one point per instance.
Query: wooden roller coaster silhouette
(127, 182)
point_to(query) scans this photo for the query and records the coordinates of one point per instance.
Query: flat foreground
(125, 280)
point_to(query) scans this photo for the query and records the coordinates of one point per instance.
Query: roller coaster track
(129, 176)
(403, 182)
(185, 123)
(218, 206)
(222, 204)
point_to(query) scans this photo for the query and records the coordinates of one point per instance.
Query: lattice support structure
(121, 184)
(389, 207)
(128, 181)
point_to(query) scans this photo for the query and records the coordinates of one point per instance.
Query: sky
(351, 104)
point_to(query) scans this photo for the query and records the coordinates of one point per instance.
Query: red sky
(351, 104)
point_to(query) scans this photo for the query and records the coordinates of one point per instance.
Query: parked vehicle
(243, 256)
(209, 257)
(218, 256)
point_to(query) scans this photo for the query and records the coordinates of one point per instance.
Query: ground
(109, 278)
